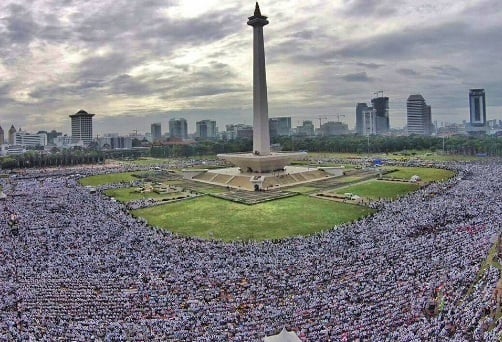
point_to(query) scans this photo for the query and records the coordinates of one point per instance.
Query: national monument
(261, 168)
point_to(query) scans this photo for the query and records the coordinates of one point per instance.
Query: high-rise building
(2, 136)
(205, 129)
(156, 130)
(178, 128)
(360, 108)
(81, 127)
(381, 107)
(333, 128)
(418, 115)
(368, 126)
(12, 135)
(280, 126)
(306, 129)
(477, 107)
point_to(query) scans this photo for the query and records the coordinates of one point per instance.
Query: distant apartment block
(306, 129)
(333, 128)
(361, 107)
(279, 126)
(156, 131)
(206, 129)
(114, 141)
(418, 115)
(26, 139)
(178, 128)
(11, 137)
(368, 121)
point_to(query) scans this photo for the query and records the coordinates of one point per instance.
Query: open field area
(111, 178)
(426, 174)
(208, 217)
(409, 155)
(375, 189)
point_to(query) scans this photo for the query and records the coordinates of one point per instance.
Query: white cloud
(157, 59)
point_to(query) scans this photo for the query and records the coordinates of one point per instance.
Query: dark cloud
(357, 77)
(407, 72)
(370, 65)
(19, 24)
(304, 35)
(101, 67)
(127, 85)
(446, 70)
(372, 8)
(424, 42)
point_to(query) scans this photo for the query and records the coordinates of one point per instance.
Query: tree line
(462, 145)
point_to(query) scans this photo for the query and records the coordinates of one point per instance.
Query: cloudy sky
(137, 62)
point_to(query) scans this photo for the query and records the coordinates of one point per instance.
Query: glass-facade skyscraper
(477, 107)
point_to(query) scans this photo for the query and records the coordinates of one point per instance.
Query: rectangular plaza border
(250, 198)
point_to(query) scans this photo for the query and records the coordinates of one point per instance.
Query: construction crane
(320, 118)
(339, 115)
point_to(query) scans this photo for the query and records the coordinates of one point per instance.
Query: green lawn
(208, 217)
(125, 195)
(111, 178)
(303, 189)
(427, 174)
(375, 189)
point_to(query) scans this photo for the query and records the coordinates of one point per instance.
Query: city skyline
(138, 63)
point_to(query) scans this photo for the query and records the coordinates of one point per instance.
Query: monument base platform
(254, 163)
(234, 178)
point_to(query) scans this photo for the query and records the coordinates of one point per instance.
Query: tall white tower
(261, 134)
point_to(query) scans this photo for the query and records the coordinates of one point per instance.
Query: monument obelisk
(260, 161)
(261, 133)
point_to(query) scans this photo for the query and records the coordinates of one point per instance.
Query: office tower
(477, 107)
(360, 108)
(12, 134)
(280, 126)
(381, 107)
(2, 136)
(368, 125)
(156, 131)
(418, 115)
(178, 128)
(205, 129)
(81, 127)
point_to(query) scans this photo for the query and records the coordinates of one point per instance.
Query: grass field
(375, 189)
(208, 217)
(303, 189)
(125, 195)
(111, 178)
(427, 174)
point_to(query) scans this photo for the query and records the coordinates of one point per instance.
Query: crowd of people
(80, 267)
